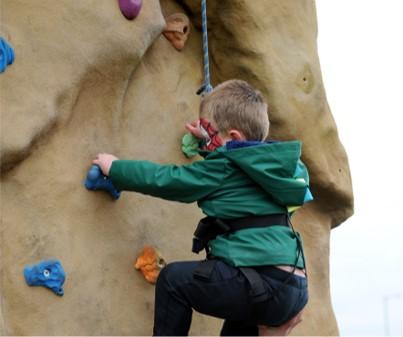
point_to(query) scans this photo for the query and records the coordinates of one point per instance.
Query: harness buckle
(207, 229)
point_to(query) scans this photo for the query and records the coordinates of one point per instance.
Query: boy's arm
(185, 183)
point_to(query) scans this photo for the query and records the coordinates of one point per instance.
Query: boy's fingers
(98, 160)
(100, 156)
(194, 124)
(191, 128)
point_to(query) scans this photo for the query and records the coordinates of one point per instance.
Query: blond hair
(234, 104)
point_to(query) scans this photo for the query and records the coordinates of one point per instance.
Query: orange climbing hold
(177, 30)
(150, 263)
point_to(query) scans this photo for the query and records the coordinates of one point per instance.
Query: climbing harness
(206, 87)
(300, 253)
(208, 229)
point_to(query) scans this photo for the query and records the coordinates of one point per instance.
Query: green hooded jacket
(231, 183)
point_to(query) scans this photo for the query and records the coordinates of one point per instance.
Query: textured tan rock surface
(61, 46)
(84, 82)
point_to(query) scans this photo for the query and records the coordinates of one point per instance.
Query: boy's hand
(195, 130)
(104, 161)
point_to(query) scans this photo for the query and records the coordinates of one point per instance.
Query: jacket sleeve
(184, 183)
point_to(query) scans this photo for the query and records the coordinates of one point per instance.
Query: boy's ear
(236, 134)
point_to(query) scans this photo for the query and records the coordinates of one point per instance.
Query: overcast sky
(361, 53)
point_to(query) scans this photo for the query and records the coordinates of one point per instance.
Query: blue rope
(206, 87)
(6, 55)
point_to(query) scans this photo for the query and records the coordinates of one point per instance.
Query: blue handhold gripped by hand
(96, 180)
(47, 273)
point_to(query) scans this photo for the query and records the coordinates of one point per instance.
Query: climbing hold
(190, 145)
(6, 55)
(48, 273)
(177, 30)
(130, 8)
(150, 263)
(96, 180)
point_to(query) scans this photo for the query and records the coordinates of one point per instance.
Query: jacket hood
(275, 166)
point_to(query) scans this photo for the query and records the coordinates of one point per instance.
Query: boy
(254, 276)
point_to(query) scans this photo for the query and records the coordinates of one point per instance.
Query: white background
(361, 53)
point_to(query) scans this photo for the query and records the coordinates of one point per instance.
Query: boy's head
(235, 106)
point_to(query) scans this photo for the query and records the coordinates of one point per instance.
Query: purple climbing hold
(130, 8)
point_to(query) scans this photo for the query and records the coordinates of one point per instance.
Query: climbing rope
(206, 87)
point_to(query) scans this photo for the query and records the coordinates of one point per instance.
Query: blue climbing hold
(47, 273)
(96, 180)
(6, 55)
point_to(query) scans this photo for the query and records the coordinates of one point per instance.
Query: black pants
(224, 295)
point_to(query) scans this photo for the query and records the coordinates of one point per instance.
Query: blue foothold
(47, 273)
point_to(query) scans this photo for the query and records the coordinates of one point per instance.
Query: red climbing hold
(130, 8)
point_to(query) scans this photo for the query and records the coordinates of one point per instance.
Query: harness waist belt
(257, 221)
(209, 227)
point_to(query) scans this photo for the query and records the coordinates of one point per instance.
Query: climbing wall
(85, 79)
